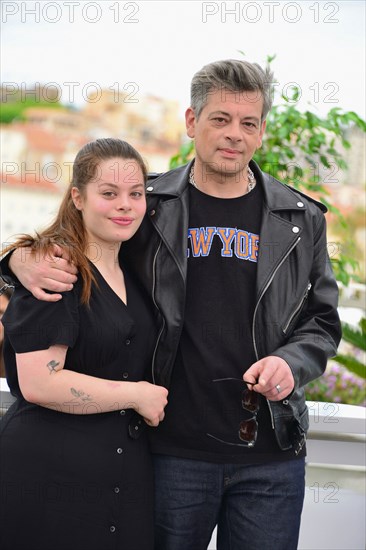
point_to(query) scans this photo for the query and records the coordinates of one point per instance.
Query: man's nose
(234, 131)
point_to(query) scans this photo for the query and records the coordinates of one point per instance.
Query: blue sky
(155, 47)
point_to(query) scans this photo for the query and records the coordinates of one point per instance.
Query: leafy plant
(344, 382)
(357, 340)
(184, 155)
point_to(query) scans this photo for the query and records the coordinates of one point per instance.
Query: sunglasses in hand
(247, 429)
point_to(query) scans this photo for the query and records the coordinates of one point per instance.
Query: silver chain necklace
(251, 179)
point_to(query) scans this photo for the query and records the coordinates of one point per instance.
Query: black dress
(78, 481)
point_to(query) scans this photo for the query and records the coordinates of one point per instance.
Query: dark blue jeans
(255, 507)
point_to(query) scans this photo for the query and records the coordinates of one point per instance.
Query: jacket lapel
(171, 216)
(279, 233)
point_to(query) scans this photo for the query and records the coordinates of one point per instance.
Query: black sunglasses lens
(250, 400)
(248, 431)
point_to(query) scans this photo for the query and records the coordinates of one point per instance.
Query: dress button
(116, 490)
(112, 528)
(149, 188)
(295, 229)
(300, 204)
(127, 342)
(119, 450)
(125, 375)
(122, 412)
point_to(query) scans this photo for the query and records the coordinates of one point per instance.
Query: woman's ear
(76, 198)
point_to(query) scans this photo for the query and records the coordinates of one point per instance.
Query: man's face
(227, 133)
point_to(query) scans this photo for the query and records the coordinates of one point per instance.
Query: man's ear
(76, 198)
(190, 122)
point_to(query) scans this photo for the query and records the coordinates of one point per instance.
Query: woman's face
(114, 202)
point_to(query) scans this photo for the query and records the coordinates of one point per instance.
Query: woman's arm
(44, 381)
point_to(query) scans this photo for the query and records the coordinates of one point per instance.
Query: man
(247, 315)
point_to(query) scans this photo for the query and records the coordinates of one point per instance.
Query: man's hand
(270, 376)
(38, 273)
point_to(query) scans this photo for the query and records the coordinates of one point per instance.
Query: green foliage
(344, 263)
(345, 382)
(357, 339)
(345, 268)
(298, 147)
(14, 110)
(184, 155)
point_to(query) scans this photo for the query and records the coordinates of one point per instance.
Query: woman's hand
(151, 402)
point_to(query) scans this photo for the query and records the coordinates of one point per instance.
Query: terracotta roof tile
(29, 181)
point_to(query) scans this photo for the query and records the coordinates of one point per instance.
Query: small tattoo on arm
(80, 394)
(52, 366)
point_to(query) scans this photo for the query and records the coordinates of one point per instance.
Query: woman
(75, 464)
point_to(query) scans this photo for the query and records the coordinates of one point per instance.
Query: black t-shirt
(216, 342)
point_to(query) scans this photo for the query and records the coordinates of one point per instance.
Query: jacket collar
(171, 184)
(277, 195)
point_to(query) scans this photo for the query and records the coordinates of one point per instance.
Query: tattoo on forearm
(52, 366)
(80, 394)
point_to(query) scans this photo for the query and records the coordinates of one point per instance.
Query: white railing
(334, 507)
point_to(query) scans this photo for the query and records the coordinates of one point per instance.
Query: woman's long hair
(68, 230)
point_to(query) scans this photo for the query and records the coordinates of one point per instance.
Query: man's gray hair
(233, 76)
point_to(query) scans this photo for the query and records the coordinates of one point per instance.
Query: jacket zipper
(297, 309)
(157, 307)
(256, 309)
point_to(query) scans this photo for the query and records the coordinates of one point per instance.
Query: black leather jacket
(296, 311)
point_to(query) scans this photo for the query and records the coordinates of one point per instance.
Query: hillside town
(38, 148)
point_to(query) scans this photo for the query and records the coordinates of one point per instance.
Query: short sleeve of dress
(32, 325)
